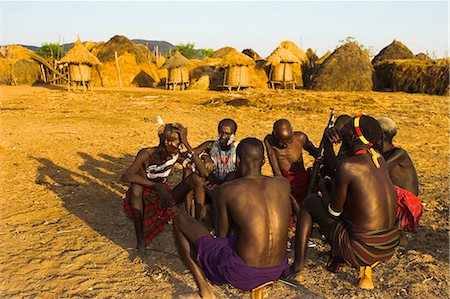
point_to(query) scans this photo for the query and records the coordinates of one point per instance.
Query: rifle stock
(319, 160)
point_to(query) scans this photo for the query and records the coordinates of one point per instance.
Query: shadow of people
(429, 241)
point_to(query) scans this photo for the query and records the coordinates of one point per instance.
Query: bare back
(402, 170)
(369, 198)
(259, 208)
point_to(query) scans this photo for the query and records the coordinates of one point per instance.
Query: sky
(261, 25)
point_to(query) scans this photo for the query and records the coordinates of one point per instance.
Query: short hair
(370, 128)
(388, 127)
(250, 149)
(165, 132)
(341, 121)
(228, 121)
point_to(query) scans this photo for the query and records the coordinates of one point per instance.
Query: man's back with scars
(260, 208)
(371, 200)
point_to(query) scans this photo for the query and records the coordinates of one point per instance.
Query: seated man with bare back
(404, 176)
(285, 149)
(359, 219)
(149, 201)
(259, 208)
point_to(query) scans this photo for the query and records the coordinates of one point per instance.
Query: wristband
(332, 212)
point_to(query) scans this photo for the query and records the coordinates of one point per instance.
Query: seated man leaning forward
(359, 219)
(259, 208)
(404, 176)
(285, 148)
(149, 201)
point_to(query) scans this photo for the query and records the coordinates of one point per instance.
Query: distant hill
(163, 46)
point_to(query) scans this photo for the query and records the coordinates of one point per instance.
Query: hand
(182, 131)
(210, 166)
(165, 197)
(333, 135)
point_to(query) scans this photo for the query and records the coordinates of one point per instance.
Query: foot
(365, 278)
(294, 280)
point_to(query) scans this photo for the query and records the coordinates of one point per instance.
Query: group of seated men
(366, 194)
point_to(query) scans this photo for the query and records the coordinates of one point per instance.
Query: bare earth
(63, 232)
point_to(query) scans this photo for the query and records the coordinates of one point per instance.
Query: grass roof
(121, 44)
(281, 55)
(222, 52)
(235, 58)
(80, 55)
(294, 49)
(177, 60)
(395, 50)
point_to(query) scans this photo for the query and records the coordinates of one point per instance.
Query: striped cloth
(362, 248)
(154, 215)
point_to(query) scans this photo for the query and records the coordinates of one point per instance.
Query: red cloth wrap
(299, 183)
(409, 210)
(154, 215)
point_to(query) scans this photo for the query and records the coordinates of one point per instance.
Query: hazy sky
(260, 25)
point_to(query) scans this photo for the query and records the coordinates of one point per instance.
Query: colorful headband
(359, 132)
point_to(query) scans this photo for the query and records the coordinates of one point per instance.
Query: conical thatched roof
(347, 69)
(294, 49)
(235, 58)
(252, 54)
(281, 55)
(324, 57)
(121, 44)
(177, 60)
(222, 52)
(396, 50)
(80, 55)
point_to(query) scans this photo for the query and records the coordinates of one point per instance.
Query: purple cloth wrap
(221, 264)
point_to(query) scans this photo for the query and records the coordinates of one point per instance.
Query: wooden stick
(118, 70)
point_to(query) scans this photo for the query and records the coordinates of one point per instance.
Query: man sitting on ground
(285, 149)
(259, 208)
(404, 176)
(149, 201)
(359, 219)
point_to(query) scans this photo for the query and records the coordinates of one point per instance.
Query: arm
(272, 156)
(131, 174)
(224, 226)
(395, 159)
(309, 146)
(341, 184)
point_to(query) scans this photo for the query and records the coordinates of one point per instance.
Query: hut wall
(237, 75)
(282, 73)
(178, 75)
(80, 72)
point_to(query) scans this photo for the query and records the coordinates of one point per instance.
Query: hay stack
(395, 50)
(323, 58)
(415, 76)
(236, 69)
(294, 49)
(205, 75)
(347, 69)
(284, 68)
(17, 66)
(178, 72)
(252, 54)
(135, 64)
(80, 61)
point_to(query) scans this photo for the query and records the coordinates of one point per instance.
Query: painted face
(225, 133)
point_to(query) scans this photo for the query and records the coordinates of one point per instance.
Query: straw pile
(395, 50)
(252, 54)
(79, 55)
(294, 49)
(347, 69)
(415, 76)
(17, 66)
(135, 64)
(205, 75)
(284, 67)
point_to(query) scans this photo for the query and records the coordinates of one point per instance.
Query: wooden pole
(118, 70)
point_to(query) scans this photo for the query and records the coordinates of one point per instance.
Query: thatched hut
(323, 58)
(395, 50)
(252, 54)
(134, 66)
(79, 61)
(294, 49)
(222, 52)
(347, 69)
(236, 70)
(414, 75)
(17, 66)
(282, 64)
(178, 72)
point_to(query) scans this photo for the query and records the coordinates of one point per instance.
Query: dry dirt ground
(63, 233)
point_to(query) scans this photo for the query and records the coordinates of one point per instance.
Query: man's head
(282, 132)
(250, 151)
(362, 130)
(169, 138)
(341, 121)
(388, 127)
(227, 129)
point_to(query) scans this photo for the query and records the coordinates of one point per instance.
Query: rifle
(319, 160)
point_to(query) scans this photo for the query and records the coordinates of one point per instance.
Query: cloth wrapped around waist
(299, 183)
(362, 248)
(409, 210)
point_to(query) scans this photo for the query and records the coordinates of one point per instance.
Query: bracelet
(332, 212)
(185, 162)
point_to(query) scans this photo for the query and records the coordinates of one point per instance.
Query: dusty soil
(63, 232)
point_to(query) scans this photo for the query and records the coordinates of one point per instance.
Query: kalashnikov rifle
(319, 160)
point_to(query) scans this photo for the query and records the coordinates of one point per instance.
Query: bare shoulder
(268, 139)
(300, 136)
(146, 152)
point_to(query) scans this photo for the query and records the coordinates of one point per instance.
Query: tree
(187, 50)
(206, 52)
(350, 39)
(53, 50)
